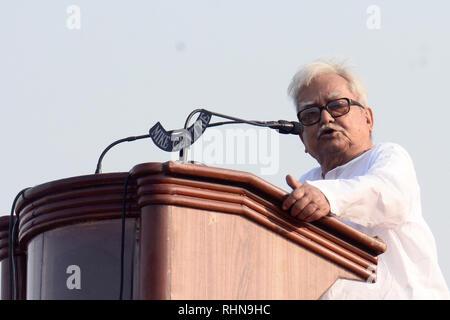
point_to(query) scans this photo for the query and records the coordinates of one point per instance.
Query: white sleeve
(384, 196)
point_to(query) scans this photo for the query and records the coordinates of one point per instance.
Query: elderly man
(373, 187)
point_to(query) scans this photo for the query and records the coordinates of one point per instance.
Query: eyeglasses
(336, 108)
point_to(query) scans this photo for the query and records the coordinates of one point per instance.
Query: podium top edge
(189, 170)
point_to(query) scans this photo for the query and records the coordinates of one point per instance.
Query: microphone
(285, 127)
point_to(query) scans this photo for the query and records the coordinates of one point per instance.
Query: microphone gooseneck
(282, 126)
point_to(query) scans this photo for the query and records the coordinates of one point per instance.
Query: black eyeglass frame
(321, 108)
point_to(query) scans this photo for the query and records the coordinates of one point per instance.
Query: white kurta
(378, 194)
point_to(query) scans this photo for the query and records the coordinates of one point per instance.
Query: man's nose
(325, 117)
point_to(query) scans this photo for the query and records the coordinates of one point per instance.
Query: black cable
(14, 269)
(13, 290)
(238, 120)
(188, 119)
(234, 119)
(216, 124)
(122, 243)
(132, 138)
(191, 115)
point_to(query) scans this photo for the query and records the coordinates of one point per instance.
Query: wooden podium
(191, 232)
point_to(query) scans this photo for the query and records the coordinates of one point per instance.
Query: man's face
(346, 136)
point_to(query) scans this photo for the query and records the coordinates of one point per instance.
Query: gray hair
(310, 71)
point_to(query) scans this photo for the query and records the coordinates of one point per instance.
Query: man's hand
(306, 202)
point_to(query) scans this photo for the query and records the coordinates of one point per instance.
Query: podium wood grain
(213, 255)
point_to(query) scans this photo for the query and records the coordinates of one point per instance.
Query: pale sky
(66, 93)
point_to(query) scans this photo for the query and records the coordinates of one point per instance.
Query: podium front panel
(199, 254)
(81, 261)
(21, 277)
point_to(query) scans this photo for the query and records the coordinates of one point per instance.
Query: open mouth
(327, 132)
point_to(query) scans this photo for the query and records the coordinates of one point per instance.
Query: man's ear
(301, 138)
(369, 118)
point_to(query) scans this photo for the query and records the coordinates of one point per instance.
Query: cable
(14, 269)
(238, 120)
(13, 290)
(132, 138)
(183, 153)
(191, 115)
(216, 124)
(252, 122)
(122, 243)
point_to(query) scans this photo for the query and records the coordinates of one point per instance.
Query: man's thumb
(292, 182)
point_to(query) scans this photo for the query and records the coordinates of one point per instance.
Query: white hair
(310, 71)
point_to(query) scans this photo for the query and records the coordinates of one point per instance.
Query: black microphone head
(290, 127)
(298, 128)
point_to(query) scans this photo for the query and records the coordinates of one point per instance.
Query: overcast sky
(77, 75)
